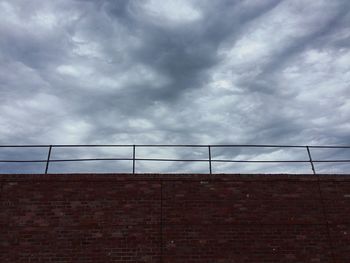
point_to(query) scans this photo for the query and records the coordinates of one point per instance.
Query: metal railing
(210, 160)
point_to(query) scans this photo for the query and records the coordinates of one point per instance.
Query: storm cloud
(176, 72)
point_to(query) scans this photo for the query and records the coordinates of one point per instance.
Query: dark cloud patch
(183, 52)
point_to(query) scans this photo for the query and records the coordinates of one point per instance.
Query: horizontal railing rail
(210, 160)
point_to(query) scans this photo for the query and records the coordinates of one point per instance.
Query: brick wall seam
(331, 246)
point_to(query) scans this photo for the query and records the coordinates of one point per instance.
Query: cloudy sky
(176, 72)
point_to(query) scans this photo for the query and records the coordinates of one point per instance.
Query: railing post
(48, 159)
(133, 158)
(312, 164)
(209, 151)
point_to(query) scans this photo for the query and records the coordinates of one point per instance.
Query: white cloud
(179, 11)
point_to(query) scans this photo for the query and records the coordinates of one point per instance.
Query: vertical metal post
(133, 159)
(48, 159)
(209, 151)
(312, 164)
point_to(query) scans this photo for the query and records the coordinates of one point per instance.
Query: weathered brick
(242, 211)
(340, 237)
(267, 190)
(174, 218)
(80, 244)
(246, 243)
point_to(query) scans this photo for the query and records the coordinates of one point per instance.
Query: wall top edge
(176, 177)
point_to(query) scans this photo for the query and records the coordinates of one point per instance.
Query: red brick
(340, 235)
(57, 244)
(200, 218)
(246, 244)
(267, 190)
(98, 212)
(242, 211)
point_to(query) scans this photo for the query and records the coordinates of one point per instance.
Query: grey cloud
(117, 72)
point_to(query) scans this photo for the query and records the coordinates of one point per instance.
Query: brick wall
(175, 218)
